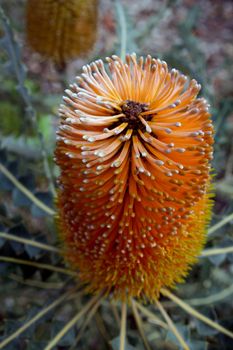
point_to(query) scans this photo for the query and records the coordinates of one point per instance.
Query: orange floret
(134, 148)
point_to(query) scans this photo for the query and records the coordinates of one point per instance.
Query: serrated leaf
(19, 199)
(197, 344)
(3, 268)
(217, 259)
(205, 330)
(184, 332)
(23, 146)
(8, 67)
(17, 247)
(2, 242)
(46, 198)
(42, 331)
(36, 345)
(13, 345)
(10, 123)
(3, 210)
(11, 325)
(27, 271)
(230, 257)
(28, 181)
(3, 42)
(33, 252)
(5, 184)
(68, 338)
(33, 311)
(19, 230)
(13, 167)
(3, 157)
(23, 92)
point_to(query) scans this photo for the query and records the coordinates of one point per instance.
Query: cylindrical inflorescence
(134, 148)
(61, 30)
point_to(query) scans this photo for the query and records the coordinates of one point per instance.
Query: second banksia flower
(134, 148)
(61, 30)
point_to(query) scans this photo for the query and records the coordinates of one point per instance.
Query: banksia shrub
(61, 30)
(134, 148)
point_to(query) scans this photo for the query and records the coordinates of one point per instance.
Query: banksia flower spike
(61, 30)
(134, 149)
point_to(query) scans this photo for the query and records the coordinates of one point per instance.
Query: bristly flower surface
(134, 148)
(61, 30)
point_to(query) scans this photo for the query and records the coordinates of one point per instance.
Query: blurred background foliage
(194, 36)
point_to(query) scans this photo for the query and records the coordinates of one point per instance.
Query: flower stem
(22, 240)
(72, 322)
(39, 265)
(172, 326)
(123, 28)
(195, 313)
(34, 319)
(25, 191)
(35, 283)
(17, 66)
(138, 321)
(123, 326)
(216, 251)
(88, 318)
(221, 223)
(151, 316)
(212, 298)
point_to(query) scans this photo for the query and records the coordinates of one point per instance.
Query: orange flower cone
(61, 30)
(134, 148)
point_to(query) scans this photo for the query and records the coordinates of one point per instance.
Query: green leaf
(217, 259)
(46, 198)
(183, 330)
(204, 329)
(36, 345)
(115, 343)
(2, 241)
(19, 199)
(197, 345)
(68, 338)
(5, 184)
(19, 231)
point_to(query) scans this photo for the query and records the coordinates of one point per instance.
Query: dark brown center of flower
(131, 111)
